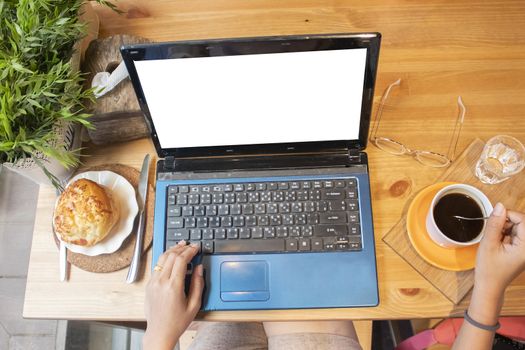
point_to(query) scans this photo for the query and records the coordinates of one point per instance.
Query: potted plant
(41, 94)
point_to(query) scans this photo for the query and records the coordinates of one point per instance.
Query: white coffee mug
(434, 231)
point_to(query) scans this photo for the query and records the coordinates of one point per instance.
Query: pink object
(447, 331)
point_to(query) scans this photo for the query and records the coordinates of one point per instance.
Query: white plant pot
(69, 138)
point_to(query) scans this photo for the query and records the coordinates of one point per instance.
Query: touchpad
(244, 281)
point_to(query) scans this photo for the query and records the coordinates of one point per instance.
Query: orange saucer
(453, 259)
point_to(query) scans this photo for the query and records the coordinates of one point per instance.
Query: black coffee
(457, 229)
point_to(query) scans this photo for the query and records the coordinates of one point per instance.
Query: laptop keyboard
(266, 217)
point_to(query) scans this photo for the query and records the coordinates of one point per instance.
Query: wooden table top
(440, 49)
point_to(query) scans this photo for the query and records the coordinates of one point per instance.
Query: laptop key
(250, 246)
(317, 244)
(199, 210)
(205, 198)
(333, 193)
(229, 198)
(175, 222)
(235, 209)
(190, 222)
(330, 230)
(352, 204)
(174, 211)
(187, 210)
(181, 199)
(304, 244)
(207, 233)
(307, 231)
(178, 234)
(202, 222)
(251, 220)
(217, 198)
(272, 186)
(195, 234)
(214, 221)
(351, 193)
(269, 232)
(238, 221)
(220, 233)
(207, 247)
(247, 209)
(337, 205)
(244, 233)
(353, 216)
(339, 184)
(291, 244)
(355, 229)
(232, 233)
(224, 209)
(257, 232)
(282, 231)
(336, 217)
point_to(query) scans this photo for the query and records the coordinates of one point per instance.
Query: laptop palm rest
(245, 281)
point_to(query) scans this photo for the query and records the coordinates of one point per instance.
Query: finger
(178, 273)
(196, 288)
(494, 229)
(165, 273)
(162, 259)
(517, 221)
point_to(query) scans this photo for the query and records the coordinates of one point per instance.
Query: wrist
(152, 341)
(485, 305)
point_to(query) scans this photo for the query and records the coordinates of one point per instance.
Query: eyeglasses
(427, 158)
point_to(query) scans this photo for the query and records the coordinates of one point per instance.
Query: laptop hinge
(169, 163)
(354, 155)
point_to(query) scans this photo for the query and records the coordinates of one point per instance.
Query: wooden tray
(122, 257)
(455, 285)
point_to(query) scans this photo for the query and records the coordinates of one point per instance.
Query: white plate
(124, 195)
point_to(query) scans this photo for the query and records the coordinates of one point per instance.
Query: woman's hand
(501, 253)
(168, 310)
(501, 257)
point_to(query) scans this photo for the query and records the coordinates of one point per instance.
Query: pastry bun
(85, 213)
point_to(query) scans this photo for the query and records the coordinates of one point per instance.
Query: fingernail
(194, 245)
(498, 210)
(182, 242)
(199, 270)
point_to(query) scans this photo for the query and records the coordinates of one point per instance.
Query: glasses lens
(390, 146)
(432, 159)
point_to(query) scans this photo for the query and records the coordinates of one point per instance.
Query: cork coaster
(455, 285)
(122, 257)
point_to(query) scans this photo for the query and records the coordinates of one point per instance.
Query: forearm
(485, 307)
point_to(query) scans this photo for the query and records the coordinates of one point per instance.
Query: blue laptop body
(264, 121)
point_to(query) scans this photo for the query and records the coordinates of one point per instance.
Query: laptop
(261, 162)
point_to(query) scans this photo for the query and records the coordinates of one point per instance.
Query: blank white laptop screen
(255, 99)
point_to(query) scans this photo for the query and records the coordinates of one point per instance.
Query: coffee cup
(457, 200)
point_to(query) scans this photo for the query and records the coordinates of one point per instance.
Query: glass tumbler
(502, 157)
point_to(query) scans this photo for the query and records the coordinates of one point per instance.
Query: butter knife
(141, 201)
(62, 255)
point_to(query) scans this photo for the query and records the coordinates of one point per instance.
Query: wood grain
(440, 48)
(455, 285)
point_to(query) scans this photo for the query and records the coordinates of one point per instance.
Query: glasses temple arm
(379, 112)
(457, 129)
